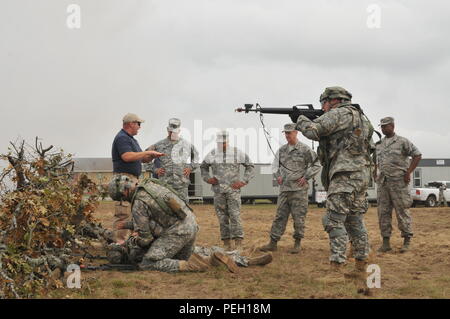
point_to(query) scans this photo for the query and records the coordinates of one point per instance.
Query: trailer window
(418, 177)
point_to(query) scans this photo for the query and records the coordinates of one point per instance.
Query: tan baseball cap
(130, 117)
(386, 120)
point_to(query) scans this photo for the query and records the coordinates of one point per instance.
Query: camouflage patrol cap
(174, 125)
(335, 92)
(290, 127)
(222, 136)
(386, 120)
(119, 184)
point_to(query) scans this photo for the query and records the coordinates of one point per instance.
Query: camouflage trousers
(228, 211)
(442, 200)
(346, 205)
(122, 212)
(175, 244)
(241, 261)
(394, 194)
(293, 203)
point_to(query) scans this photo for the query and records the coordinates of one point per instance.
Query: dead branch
(40, 150)
(17, 164)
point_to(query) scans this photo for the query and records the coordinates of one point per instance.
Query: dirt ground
(424, 272)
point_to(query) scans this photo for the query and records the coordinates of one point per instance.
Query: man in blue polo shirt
(127, 158)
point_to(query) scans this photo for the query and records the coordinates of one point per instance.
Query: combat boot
(260, 260)
(359, 272)
(386, 245)
(219, 258)
(272, 246)
(227, 244)
(296, 248)
(406, 242)
(194, 264)
(238, 243)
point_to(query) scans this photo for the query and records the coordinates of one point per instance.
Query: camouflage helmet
(119, 184)
(335, 92)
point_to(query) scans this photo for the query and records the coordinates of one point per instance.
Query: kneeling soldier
(164, 228)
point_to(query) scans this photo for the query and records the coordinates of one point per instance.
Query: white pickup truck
(429, 195)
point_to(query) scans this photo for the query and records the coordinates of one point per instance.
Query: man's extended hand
(238, 185)
(212, 181)
(150, 155)
(160, 171)
(145, 156)
(154, 154)
(302, 182)
(186, 172)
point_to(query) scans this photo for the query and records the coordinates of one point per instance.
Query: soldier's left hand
(407, 178)
(187, 172)
(238, 185)
(302, 182)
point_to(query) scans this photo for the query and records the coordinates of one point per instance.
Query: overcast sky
(200, 59)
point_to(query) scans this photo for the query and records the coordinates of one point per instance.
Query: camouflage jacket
(150, 216)
(392, 156)
(293, 164)
(179, 155)
(225, 167)
(345, 140)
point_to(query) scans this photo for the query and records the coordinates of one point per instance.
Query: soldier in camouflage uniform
(345, 142)
(164, 226)
(442, 199)
(226, 183)
(180, 161)
(294, 165)
(164, 229)
(393, 173)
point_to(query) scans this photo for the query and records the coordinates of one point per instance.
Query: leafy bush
(43, 220)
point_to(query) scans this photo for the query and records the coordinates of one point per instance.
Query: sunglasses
(138, 123)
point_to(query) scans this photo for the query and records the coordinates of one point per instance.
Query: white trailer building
(263, 186)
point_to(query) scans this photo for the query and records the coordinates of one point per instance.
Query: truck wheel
(414, 204)
(322, 205)
(431, 201)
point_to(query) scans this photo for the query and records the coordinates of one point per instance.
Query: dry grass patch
(421, 273)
